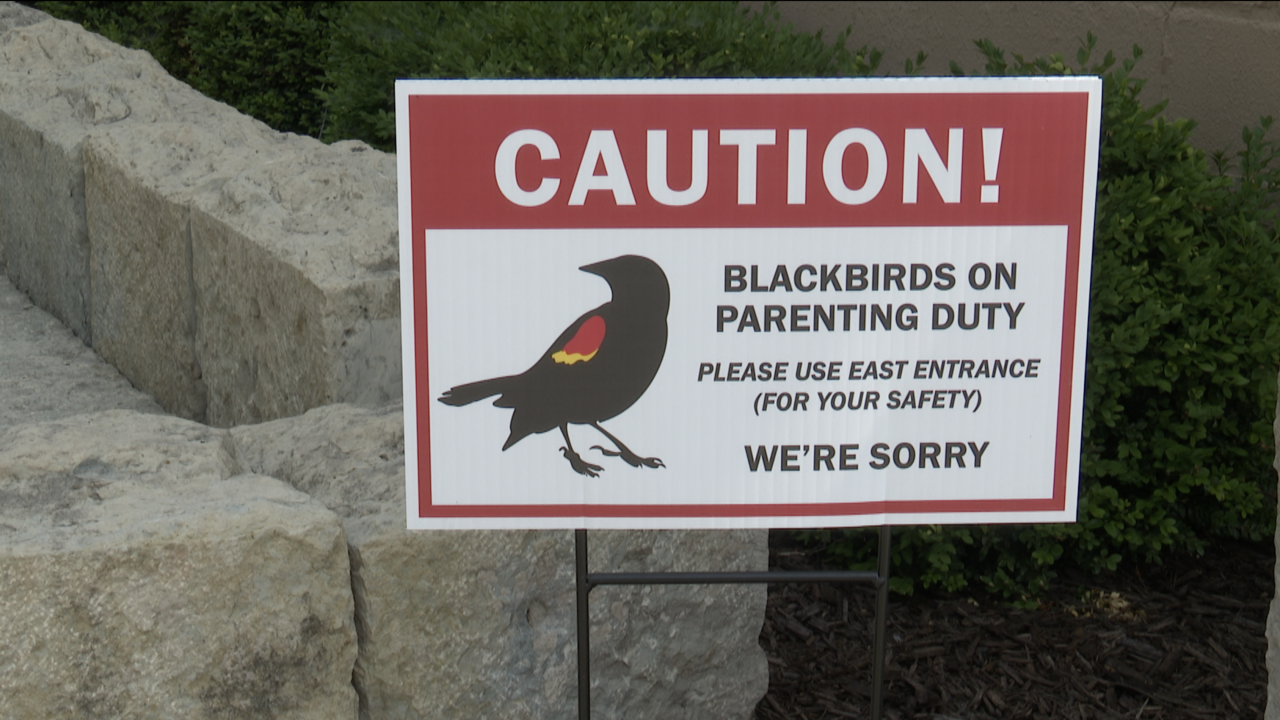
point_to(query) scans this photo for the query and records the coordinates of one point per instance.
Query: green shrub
(266, 59)
(1180, 385)
(376, 42)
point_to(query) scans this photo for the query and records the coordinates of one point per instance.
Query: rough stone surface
(47, 374)
(236, 273)
(242, 274)
(139, 185)
(481, 624)
(1273, 618)
(58, 83)
(296, 270)
(46, 245)
(685, 652)
(12, 16)
(145, 577)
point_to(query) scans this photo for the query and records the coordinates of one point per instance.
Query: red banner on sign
(1035, 163)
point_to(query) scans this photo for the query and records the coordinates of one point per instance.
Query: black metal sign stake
(584, 626)
(587, 581)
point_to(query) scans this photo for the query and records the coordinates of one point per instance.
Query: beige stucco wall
(1217, 62)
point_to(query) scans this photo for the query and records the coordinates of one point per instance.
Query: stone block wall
(144, 577)
(500, 604)
(234, 273)
(213, 524)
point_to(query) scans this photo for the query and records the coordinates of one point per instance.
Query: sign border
(1059, 507)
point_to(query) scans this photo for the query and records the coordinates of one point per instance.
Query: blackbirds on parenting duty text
(598, 367)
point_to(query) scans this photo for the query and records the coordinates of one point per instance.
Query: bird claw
(631, 458)
(579, 465)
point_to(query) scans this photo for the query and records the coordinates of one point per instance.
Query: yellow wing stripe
(565, 358)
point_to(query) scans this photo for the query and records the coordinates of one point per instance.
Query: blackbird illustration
(598, 367)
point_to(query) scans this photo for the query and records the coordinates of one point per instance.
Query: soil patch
(1180, 640)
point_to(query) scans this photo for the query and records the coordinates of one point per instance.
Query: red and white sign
(744, 303)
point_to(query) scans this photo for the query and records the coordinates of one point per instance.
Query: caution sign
(745, 303)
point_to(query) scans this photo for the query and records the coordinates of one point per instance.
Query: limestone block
(144, 577)
(238, 274)
(144, 311)
(58, 83)
(48, 374)
(14, 15)
(683, 652)
(42, 225)
(139, 184)
(296, 276)
(259, 329)
(481, 624)
(1273, 617)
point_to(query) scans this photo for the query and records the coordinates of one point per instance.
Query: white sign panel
(637, 304)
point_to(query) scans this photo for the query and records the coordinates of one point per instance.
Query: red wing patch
(585, 343)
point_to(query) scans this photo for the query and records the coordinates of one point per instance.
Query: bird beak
(595, 268)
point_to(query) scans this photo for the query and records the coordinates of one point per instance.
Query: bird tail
(471, 392)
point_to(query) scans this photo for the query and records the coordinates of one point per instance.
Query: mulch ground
(1179, 640)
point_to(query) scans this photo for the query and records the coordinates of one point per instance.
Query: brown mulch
(1181, 640)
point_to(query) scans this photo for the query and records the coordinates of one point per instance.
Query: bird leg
(624, 452)
(579, 465)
